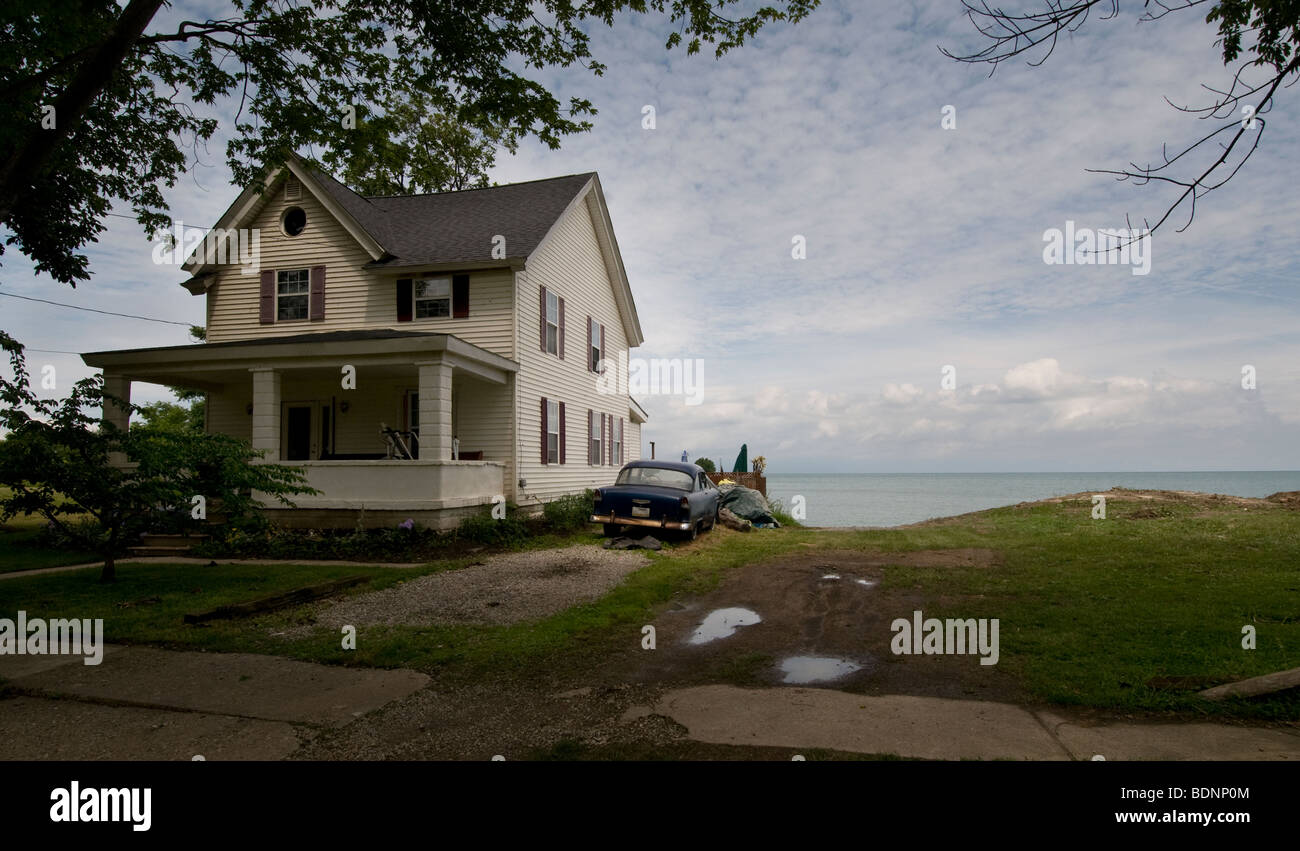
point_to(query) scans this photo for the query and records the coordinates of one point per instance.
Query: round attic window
(294, 221)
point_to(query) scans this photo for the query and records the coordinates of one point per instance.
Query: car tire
(694, 533)
(612, 530)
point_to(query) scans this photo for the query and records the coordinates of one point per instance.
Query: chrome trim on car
(615, 520)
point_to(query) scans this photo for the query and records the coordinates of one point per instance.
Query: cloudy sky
(924, 249)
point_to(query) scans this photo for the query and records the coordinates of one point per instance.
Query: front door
(298, 432)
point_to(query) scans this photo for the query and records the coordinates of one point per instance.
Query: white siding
(569, 263)
(504, 422)
(227, 412)
(633, 438)
(354, 298)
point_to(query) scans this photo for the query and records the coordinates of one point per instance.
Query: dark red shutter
(563, 419)
(622, 441)
(589, 455)
(267, 315)
(588, 354)
(603, 442)
(542, 317)
(602, 348)
(561, 329)
(405, 299)
(316, 308)
(459, 296)
(545, 432)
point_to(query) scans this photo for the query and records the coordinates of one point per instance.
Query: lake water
(892, 499)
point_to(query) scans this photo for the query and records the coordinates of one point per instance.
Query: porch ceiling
(211, 366)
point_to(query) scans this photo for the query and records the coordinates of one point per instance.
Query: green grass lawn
(1090, 611)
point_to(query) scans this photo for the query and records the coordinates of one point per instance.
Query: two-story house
(476, 321)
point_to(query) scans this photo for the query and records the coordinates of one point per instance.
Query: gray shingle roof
(458, 227)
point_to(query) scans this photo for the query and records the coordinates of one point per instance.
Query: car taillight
(598, 495)
(685, 504)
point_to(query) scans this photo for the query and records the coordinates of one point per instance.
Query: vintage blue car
(660, 495)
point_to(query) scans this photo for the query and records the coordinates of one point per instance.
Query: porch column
(266, 412)
(435, 410)
(118, 386)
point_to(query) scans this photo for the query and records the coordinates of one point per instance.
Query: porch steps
(165, 545)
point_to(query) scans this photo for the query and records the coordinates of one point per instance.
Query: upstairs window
(432, 297)
(292, 289)
(597, 333)
(294, 221)
(552, 323)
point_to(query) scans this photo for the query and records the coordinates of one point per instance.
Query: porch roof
(211, 365)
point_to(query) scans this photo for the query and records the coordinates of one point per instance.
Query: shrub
(483, 528)
(777, 510)
(397, 544)
(570, 513)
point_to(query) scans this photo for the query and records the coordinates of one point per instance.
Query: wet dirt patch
(503, 589)
(961, 557)
(805, 615)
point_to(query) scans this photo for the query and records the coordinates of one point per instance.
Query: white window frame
(418, 300)
(552, 323)
(281, 276)
(595, 447)
(552, 428)
(597, 353)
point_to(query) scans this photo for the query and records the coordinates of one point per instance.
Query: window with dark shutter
(543, 430)
(404, 300)
(561, 329)
(551, 324)
(316, 311)
(563, 437)
(267, 308)
(554, 423)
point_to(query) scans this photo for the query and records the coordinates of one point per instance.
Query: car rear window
(657, 476)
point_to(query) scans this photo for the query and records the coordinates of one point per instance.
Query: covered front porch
(382, 422)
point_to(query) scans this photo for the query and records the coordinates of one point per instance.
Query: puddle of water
(721, 623)
(816, 669)
(831, 576)
(867, 583)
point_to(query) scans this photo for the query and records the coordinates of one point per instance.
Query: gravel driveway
(503, 589)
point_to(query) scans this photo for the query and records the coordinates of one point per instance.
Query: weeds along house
(469, 324)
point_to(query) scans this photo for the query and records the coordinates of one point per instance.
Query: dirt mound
(1206, 500)
(1286, 499)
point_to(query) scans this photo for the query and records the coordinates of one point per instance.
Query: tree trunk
(109, 573)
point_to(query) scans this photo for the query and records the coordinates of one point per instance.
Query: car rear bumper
(616, 520)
